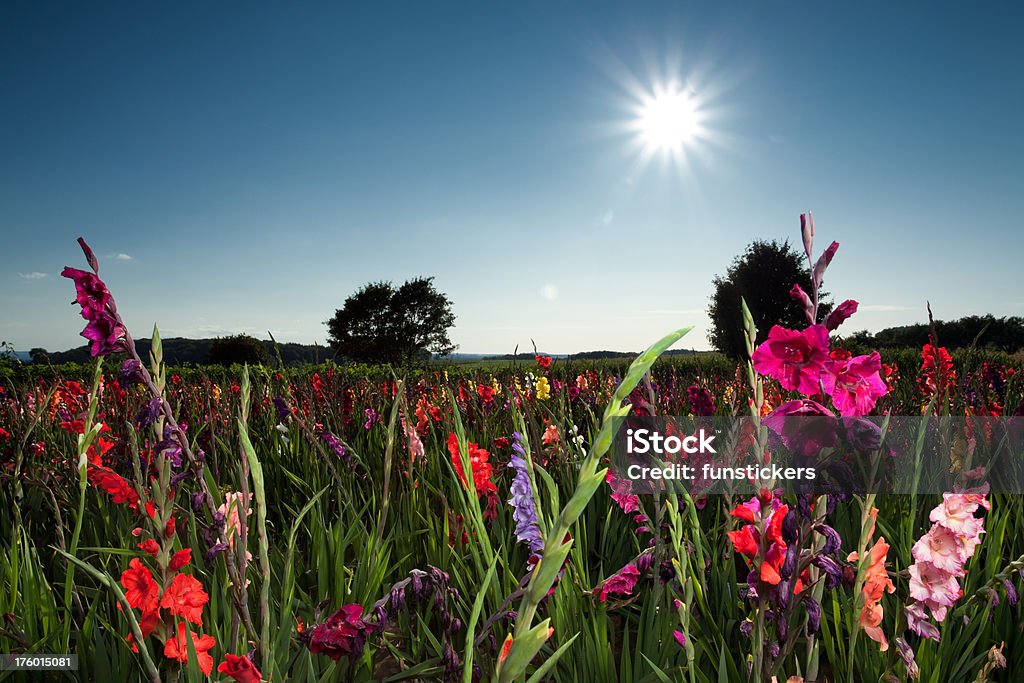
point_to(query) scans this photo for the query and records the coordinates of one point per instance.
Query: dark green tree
(239, 348)
(763, 275)
(39, 355)
(382, 324)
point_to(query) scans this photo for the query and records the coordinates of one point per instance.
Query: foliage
(972, 331)
(239, 348)
(762, 276)
(382, 324)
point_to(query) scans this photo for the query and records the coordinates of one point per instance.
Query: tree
(382, 324)
(763, 275)
(39, 355)
(239, 348)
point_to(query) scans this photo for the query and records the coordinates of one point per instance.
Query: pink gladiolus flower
(840, 314)
(622, 582)
(940, 557)
(855, 384)
(800, 296)
(796, 359)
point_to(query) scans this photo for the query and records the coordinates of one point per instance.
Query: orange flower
(185, 598)
(141, 589)
(177, 648)
(876, 584)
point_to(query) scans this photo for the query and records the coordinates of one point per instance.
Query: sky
(244, 167)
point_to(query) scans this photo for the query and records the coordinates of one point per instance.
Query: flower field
(338, 523)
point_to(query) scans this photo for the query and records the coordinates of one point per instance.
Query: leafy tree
(39, 355)
(763, 275)
(239, 348)
(382, 324)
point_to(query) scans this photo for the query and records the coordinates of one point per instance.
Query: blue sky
(243, 168)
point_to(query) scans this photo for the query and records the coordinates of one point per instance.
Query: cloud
(884, 307)
(549, 292)
(120, 256)
(607, 218)
(34, 275)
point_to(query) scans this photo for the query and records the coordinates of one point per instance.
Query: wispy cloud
(607, 218)
(120, 256)
(884, 307)
(34, 275)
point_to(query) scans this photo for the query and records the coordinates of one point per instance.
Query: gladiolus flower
(876, 584)
(141, 590)
(855, 384)
(150, 547)
(622, 582)
(342, 635)
(239, 668)
(479, 465)
(840, 314)
(177, 648)
(506, 647)
(185, 598)
(796, 359)
(180, 559)
(544, 362)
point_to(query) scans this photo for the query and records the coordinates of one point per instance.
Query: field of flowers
(350, 524)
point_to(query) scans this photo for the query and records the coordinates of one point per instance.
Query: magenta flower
(796, 359)
(91, 294)
(342, 635)
(855, 384)
(840, 314)
(104, 329)
(800, 296)
(621, 582)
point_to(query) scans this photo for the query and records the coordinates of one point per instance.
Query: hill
(182, 351)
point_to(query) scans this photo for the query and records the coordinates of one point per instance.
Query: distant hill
(182, 351)
(978, 331)
(593, 355)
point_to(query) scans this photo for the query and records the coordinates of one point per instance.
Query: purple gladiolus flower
(282, 408)
(524, 514)
(336, 445)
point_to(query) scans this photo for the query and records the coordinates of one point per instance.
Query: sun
(668, 120)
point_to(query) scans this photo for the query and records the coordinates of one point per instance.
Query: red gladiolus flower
(342, 635)
(239, 668)
(481, 469)
(506, 647)
(745, 540)
(118, 488)
(180, 559)
(177, 648)
(796, 359)
(141, 590)
(150, 547)
(937, 374)
(185, 598)
(544, 362)
(147, 624)
(170, 528)
(4, 434)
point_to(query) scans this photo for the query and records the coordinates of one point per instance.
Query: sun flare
(668, 120)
